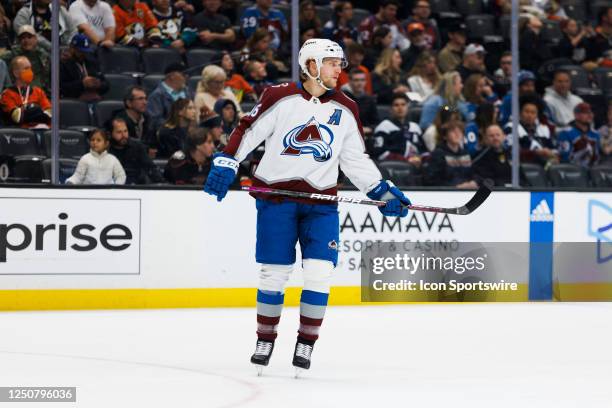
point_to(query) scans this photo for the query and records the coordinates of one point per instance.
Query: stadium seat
(155, 60)
(576, 9)
(567, 175)
(440, 6)
(603, 77)
(199, 58)
(533, 175)
(383, 111)
(119, 60)
(469, 7)
(414, 113)
(580, 76)
(119, 83)
(150, 82)
(551, 32)
(18, 142)
(596, 6)
(192, 83)
(27, 170)
(547, 68)
(601, 176)
(105, 111)
(479, 26)
(598, 102)
(505, 23)
(359, 15)
(72, 144)
(399, 172)
(66, 169)
(74, 113)
(324, 13)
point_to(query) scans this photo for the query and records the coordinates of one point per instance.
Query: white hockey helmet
(318, 49)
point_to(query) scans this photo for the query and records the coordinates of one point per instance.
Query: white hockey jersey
(307, 139)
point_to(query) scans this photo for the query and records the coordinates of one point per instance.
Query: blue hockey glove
(222, 173)
(396, 200)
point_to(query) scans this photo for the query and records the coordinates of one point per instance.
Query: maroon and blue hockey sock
(269, 308)
(312, 311)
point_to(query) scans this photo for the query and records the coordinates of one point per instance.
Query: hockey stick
(475, 202)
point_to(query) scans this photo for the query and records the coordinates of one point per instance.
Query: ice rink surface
(440, 355)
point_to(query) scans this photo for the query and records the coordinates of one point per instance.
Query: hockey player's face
(330, 70)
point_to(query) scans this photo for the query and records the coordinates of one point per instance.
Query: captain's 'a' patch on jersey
(311, 138)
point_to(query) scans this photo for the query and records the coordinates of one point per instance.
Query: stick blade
(481, 195)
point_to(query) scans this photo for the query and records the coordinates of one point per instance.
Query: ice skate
(261, 357)
(301, 357)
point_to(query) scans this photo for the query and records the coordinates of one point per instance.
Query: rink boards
(119, 248)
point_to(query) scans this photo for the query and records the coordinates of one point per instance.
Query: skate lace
(303, 350)
(263, 348)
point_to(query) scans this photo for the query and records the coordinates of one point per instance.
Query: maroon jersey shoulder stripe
(341, 98)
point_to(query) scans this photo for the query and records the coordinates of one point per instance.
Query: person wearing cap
(560, 99)
(421, 13)
(580, 143)
(451, 55)
(526, 85)
(171, 89)
(228, 112)
(80, 74)
(214, 123)
(418, 44)
(38, 15)
(473, 61)
(27, 46)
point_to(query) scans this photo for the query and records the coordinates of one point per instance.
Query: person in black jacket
(494, 160)
(450, 163)
(80, 75)
(356, 90)
(172, 135)
(132, 155)
(139, 123)
(192, 164)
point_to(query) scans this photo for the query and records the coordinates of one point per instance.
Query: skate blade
(259, 369)
(298, 372)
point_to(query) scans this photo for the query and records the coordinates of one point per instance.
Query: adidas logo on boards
(542, 213)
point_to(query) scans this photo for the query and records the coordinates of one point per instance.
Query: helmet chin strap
(318, 79)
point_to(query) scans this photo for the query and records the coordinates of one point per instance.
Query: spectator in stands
(236, 82)
(386, 16)
(450, 163)
(132, 155)
(580, 143)
(602, 41)
(448, 93)
(526, 80)
(605, 132)
(503, 75)
(575, 42)
(473, 61)
(210, 89)
(5, 78)
(257, 76)
(416, 35)
(98, 166)
(307, 33)
(5, 31)
(171, 89)
(356, 90)
(308, 17)
(396, 138)
(421, 13)
(381, 40)
(477, 91)
(445, 114)
(136, 24)
(475, 130)
(560, 100)
(25, 105)
(339, 28)
(537, 144)
(95, 19)
(172, 134)
(388, 77)
(214, 123)
(258, 47)
(532, 47)
(262, 15)
(494, 160)
(175, 25)
(451, 55)
(38, 57)
(214, 29)
(80, 75)
(355, 54)
(135, 116)
(192, 164)
(228, 112)
(424, 76)
(38, 15)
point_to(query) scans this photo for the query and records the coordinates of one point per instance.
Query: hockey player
(310, 130)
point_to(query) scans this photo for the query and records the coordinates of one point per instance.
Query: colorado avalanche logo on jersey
(312, 138)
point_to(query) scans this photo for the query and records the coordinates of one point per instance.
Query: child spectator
(98, 166)
(192, 164)
(172, 134)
